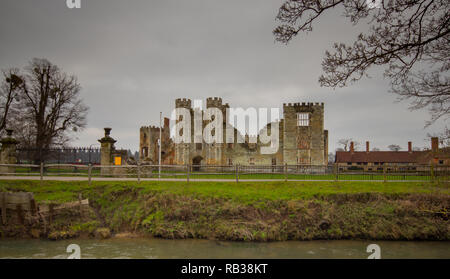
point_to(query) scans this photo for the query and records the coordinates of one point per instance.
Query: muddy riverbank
(175, 211)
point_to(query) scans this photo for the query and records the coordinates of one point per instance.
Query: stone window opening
(145, 151)
(252, 161)
(303, 119)
(198, 146)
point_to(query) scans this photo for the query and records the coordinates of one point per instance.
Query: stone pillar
(106, 150)
(8, 152)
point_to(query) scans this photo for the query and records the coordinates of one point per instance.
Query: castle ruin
(302, 140)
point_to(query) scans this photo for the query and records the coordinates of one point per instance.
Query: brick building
(401, 160)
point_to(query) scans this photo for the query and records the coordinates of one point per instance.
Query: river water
(151, 248)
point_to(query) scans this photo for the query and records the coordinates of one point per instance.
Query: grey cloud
(133, 58)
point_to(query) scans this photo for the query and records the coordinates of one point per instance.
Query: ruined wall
(148, 143)
(306, 144)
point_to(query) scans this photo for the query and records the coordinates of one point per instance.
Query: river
(152, 248)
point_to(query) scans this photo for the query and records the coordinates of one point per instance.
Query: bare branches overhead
(411, 38)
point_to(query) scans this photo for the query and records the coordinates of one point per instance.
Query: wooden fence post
(41, 172)
(237, 173)
(89, 173)
(384, 173)
(285, 172)
(138, 172)
(188, 170)
(432, 172)
(336, 174)
(33, 205)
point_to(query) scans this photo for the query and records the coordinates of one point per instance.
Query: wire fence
(231, 172)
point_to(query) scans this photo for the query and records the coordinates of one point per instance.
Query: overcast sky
(134, 58)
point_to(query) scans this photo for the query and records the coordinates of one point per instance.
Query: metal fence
(76, 155)
(230, 172)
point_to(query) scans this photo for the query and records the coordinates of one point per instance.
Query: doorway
(196, 162)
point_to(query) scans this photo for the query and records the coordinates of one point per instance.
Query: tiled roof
(380, 156)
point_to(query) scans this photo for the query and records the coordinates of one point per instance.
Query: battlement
(214, 102)
(183, 103)
(308, 105)
(150, 128)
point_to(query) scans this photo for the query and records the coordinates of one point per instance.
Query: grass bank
(250, 211)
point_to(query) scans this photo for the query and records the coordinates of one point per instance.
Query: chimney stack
(352, 147)
(409, 146)
(434, 144)
(367, 147)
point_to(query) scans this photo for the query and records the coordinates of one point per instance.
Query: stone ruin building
(302, 140)
(148, 144)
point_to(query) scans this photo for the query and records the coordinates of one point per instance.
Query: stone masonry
(303, 140)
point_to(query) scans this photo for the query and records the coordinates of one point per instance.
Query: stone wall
(148, 143)
(297, 144)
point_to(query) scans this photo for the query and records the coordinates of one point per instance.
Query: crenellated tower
(303, 134)
(182, 150)
(214, 152)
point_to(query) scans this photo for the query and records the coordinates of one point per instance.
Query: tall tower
(182, 150)
(215, 151)
(303, 134)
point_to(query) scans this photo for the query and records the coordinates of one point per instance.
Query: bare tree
(394, 147)
(50, 105)
(8, 95)
(406, 36)
(345, 143)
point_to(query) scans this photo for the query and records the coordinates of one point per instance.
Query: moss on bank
(253, 211)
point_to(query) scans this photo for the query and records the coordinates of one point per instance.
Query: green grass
(63, 191)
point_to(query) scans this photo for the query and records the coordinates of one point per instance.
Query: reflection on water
(150, 248)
